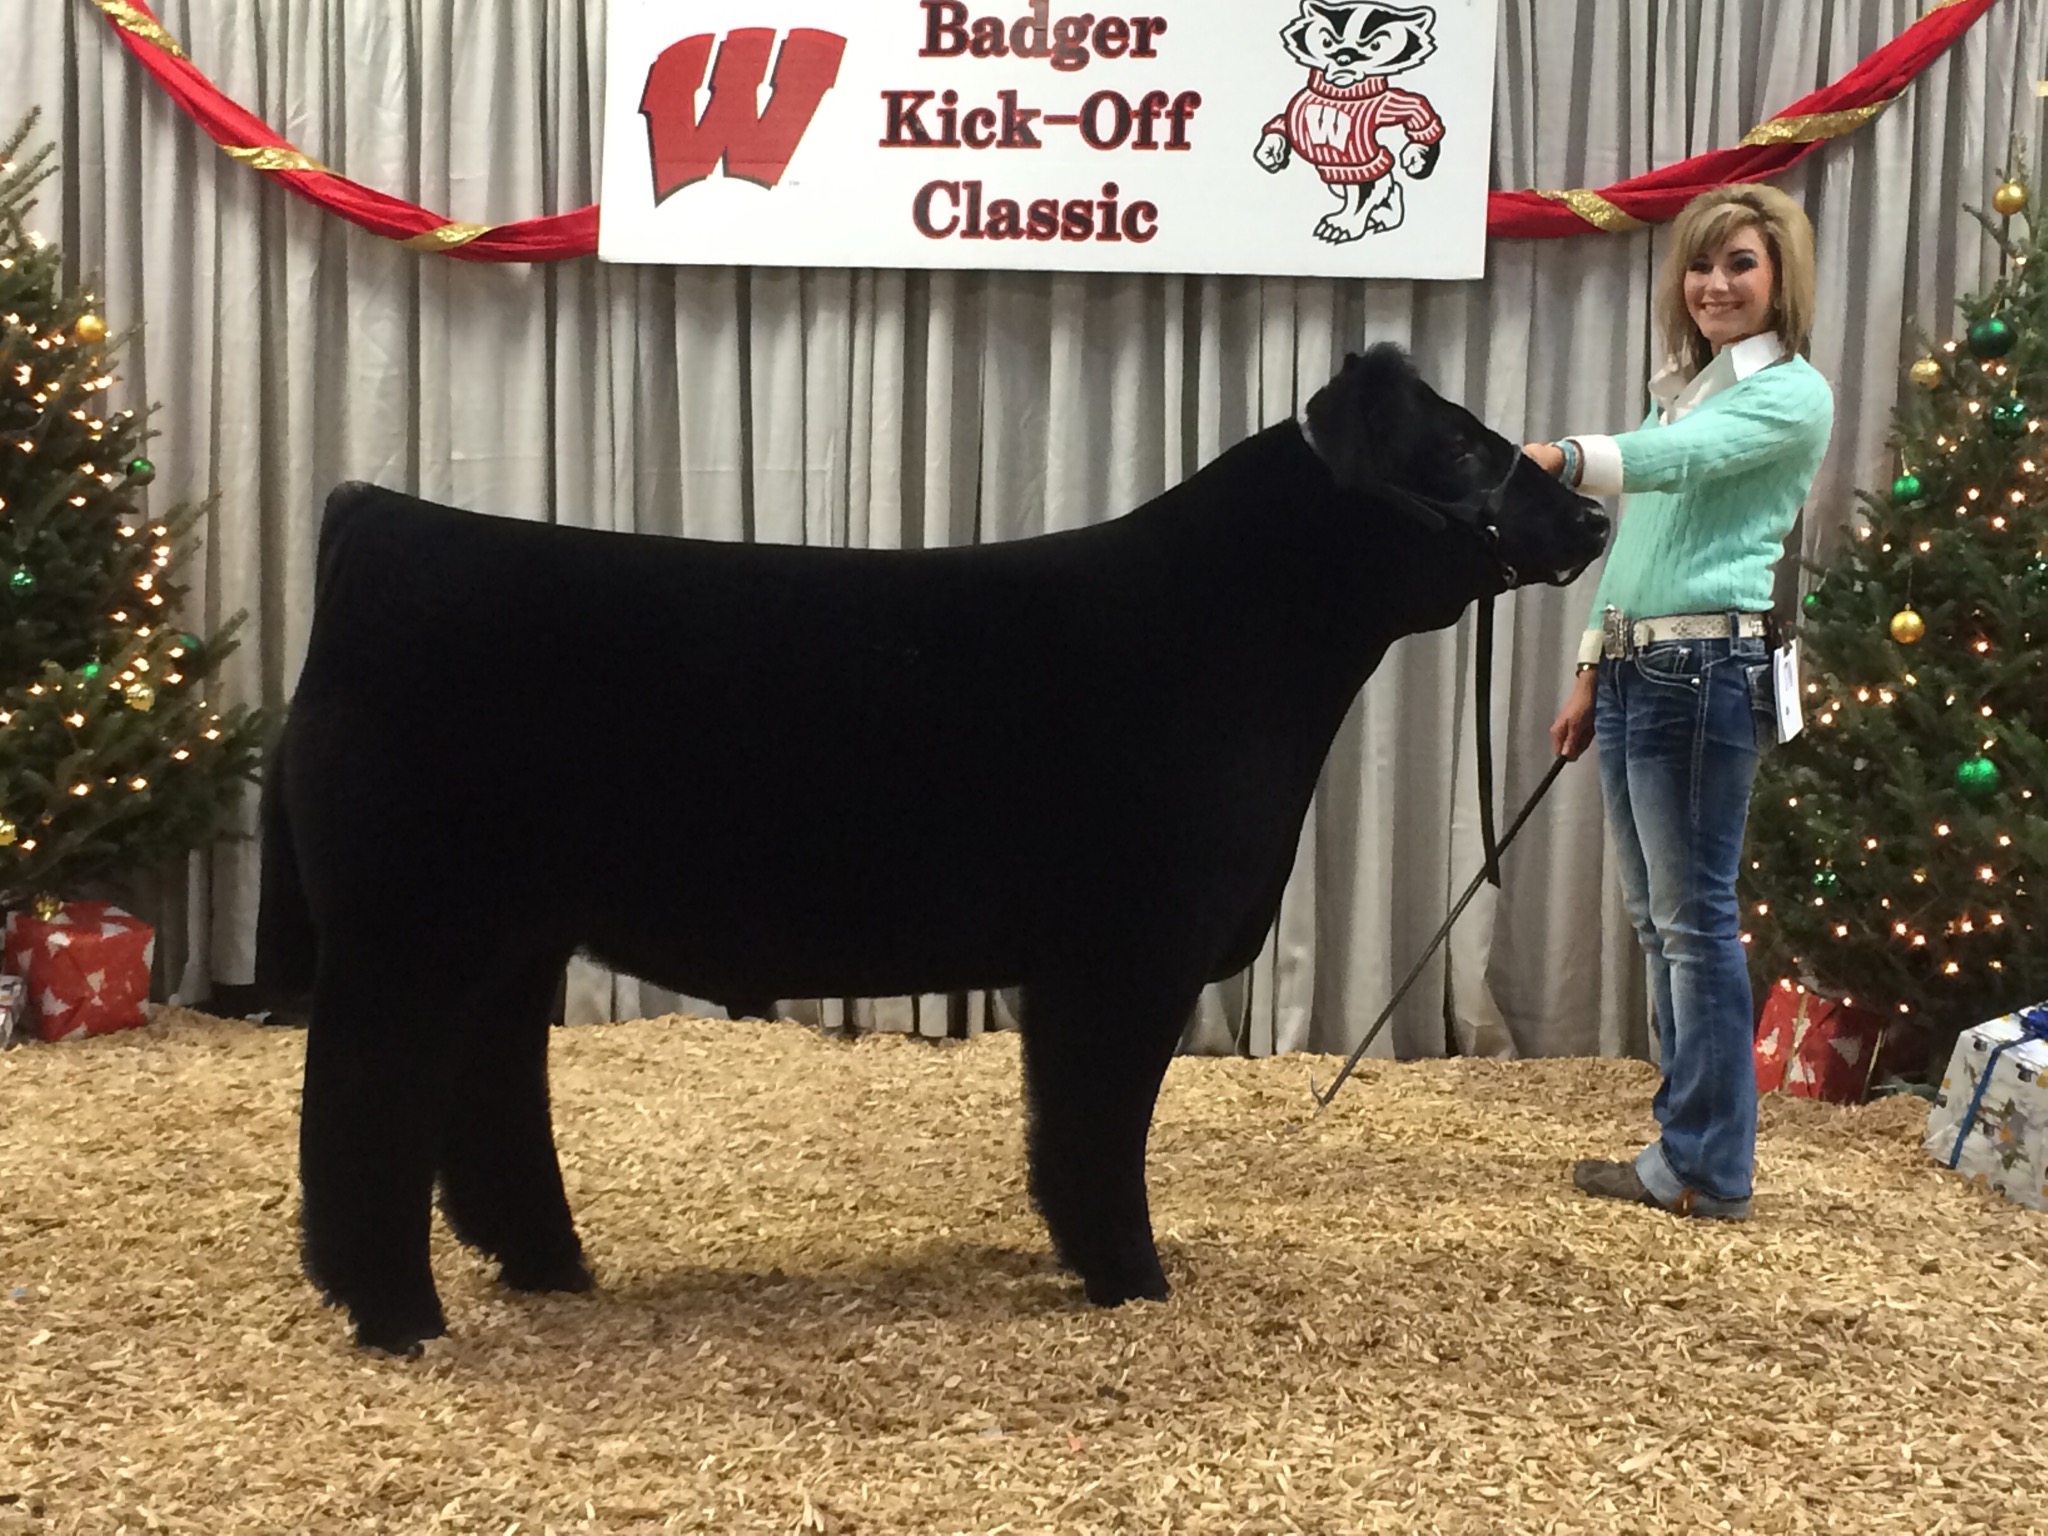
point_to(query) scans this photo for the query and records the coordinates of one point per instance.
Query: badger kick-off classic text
(1105, 120)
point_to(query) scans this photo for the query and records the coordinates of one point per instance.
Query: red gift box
(87, 968)
(1813, 1048)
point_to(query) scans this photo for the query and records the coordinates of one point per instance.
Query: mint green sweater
(1712, 495)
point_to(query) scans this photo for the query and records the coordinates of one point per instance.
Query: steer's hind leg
(376, 1060)
(501, 1186)
(1093, 1062)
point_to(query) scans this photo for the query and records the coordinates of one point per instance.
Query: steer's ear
(1367, 421)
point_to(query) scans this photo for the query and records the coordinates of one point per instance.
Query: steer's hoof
(569, 1273)
(399, 1334)
(1115, 1290)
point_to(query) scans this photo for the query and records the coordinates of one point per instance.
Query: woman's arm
(1766, 416)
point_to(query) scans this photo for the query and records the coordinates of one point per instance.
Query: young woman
(1674, 675)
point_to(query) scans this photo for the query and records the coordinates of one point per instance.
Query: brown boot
(1606, 1180)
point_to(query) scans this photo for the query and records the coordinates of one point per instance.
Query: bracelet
(1574, 461)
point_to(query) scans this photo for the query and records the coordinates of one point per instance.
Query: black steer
(1076, 763)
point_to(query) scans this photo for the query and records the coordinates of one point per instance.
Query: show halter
(1479, 513)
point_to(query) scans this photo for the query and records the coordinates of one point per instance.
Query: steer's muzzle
(1589, 537)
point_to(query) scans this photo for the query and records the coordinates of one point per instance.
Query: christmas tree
(1898, 849)
(111, 759)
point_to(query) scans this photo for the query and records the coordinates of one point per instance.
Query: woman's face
(1728, 289)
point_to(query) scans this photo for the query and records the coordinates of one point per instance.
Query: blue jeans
(1680, 725)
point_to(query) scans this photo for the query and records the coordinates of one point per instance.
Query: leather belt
(1620, 636)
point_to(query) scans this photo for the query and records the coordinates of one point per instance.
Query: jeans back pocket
(1763, 701)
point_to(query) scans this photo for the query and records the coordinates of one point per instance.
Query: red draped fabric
(1766, 151)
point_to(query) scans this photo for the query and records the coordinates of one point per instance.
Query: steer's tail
(287, 944)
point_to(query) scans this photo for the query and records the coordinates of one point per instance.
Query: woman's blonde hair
(1699, 230)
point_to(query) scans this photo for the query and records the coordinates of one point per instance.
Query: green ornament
(1905, 489)
(22, 580)
(1826, 881)
(2009, 416)
(1810, 602)
(90, 670)
(141, 471)
(1977, 777)
(1991, 338)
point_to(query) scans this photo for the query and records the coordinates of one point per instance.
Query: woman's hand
(1548, 457)
(1572, 731)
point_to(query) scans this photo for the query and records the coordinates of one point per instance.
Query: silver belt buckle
(1614, 629)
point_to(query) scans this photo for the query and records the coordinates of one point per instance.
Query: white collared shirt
(1675, 394)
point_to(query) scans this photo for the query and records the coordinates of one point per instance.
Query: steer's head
(1389, 436)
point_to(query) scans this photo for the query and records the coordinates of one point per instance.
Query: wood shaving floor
(826, 1306)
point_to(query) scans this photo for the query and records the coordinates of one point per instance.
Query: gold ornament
(7, 833)
(1927, 373)
(90, 329)
(2010, 198)
(47, 907)
(139, 695)
(1908, 627)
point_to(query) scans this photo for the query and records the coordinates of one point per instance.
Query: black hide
(1076, 764)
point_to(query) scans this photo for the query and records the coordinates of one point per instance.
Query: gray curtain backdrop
(287, 351)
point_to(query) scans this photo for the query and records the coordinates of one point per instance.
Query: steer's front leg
(1093, 1062)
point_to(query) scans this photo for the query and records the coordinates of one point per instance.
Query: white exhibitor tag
(1785, 685)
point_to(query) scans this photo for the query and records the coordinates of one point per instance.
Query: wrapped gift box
(1990, 1120)
(86, 968)
(1815, 1048)
(13, 1010)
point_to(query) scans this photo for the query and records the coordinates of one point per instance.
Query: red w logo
(754, 145)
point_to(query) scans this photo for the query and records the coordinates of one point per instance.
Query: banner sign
(1316, 138)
